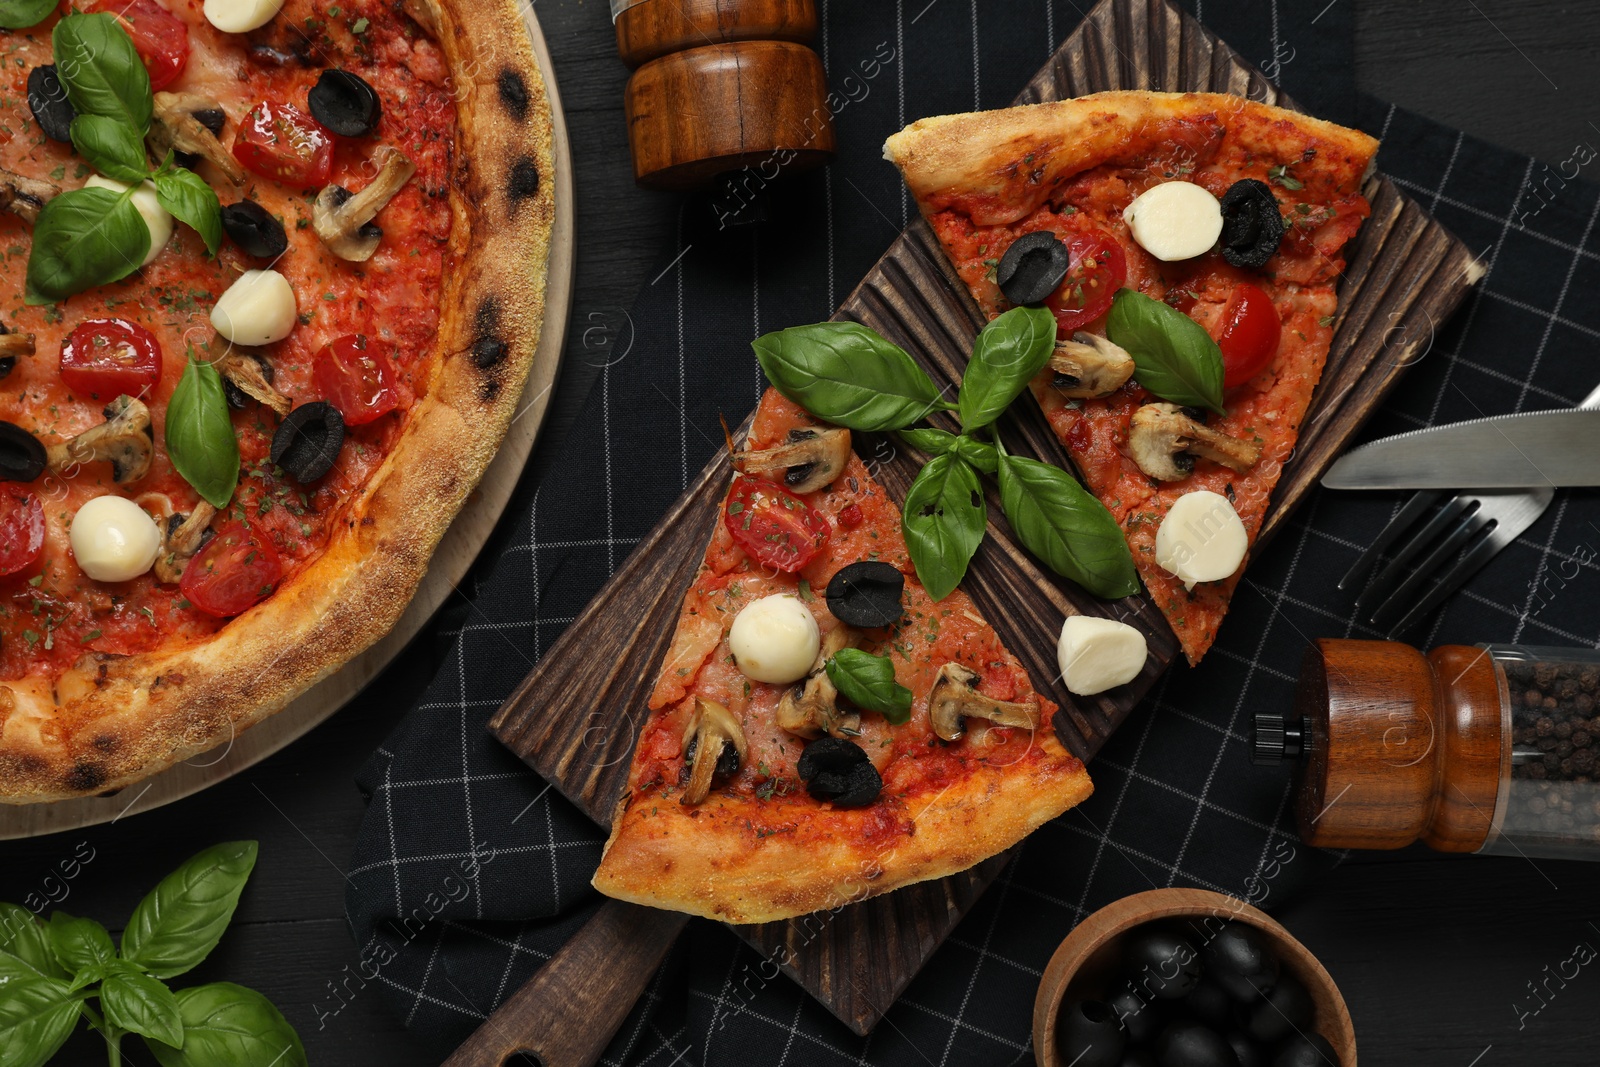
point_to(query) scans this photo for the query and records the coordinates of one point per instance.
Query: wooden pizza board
(451, 560)
(577, 715)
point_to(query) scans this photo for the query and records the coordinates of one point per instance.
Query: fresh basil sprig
(1063, 524)
(22, 14)
(101, 71)
(49, 973)
(199, 434)
(190, 200)
(867, 681)
(936, 442)
(1009, 351)
(111, 147)
(943, 522)
(846, 374)
(84, 238)
(1173, 356)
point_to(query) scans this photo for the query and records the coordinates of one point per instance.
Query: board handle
(567, 1013)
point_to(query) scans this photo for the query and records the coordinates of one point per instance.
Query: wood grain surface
(1405, 274)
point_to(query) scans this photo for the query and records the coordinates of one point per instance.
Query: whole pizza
(273, 277)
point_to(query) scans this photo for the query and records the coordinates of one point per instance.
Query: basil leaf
(867, 681)
(192, 201)
(36, 1018)
(1063, 524)
(1173, 356)
(139, 1004)
(936, 442)
(79, 944)
(1007, 354)
(844, 373)
(24, 945)
(21, 14)
(225, 1025)
(202, 445)
(928, 439)
(111, 147)
(101, 70)
(84, 238)
(181, 920)
(980, 454)
(943, 522)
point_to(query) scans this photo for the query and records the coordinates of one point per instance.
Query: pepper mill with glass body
(724, 93)
(1491, 749)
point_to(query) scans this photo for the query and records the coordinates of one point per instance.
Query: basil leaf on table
(226, 1025)
(79, 944)
(1173, 356)
(24, 941)
(867, 681)
(21, 14)
(846, 374)
(943, 522)
(181, 920)
(84, 238)
(111, 147)
(101, 70)
(1062, 523)
(190, 200)
(1007, 354)
(202, 445)
(141, 1005)
(36, 1018)
(936, 442)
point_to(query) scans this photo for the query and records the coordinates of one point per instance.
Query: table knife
(1539, 449)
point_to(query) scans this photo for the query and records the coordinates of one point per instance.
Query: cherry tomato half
(104, 358)
(281, 142)
(775, 528)
(21, 529)
(1098, 269)
(1247, 333)
(237, 569)
(356, 375)
(161, 38)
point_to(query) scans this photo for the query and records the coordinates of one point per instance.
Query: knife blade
(1536, 449)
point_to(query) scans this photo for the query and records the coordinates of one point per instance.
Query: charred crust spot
(489, 390)
(487, 351)
(488, 348)
(85, 777)
(513, 93)
(524, 181)
(106, 743)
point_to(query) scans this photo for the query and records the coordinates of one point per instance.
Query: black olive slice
(22, 455)
(1252, 229)
(255, 230)
(867, 594)
(212, 118)
(1033, 268)
(308, 442)
(727, 760)
(345, 103)
(839, 771)
(51, 108)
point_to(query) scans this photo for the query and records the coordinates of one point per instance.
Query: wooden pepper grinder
(1467, 749)
(725, 94)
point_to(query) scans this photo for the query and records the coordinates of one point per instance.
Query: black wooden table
(1436, 956)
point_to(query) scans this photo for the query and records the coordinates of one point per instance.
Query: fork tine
(1470, 564)
(1377, 588)
(1397, 602)
(1414, 510)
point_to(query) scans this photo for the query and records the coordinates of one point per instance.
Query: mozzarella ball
(114, 539)
(1201, 539)
(1175, 221)
(1097, 654)
(258, 309)
(775, 639)
(241, 16)
(157, 218)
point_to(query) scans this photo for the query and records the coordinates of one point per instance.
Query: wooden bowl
(1088, 958)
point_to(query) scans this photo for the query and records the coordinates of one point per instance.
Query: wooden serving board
(576, 717)
(451, 559)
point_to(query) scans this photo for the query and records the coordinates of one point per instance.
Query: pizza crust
(116, 720)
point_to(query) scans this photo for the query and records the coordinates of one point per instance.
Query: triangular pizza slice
(1233, 213)
(759, 791)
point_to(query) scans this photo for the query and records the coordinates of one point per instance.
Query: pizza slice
(762, 786)
(1223, 212)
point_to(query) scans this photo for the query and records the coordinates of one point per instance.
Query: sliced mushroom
(1164, 441)
(175, 126)
(249, 372)
(810, 459)
(955, 697)
(1090, 365)
(810, 707)
(24, 197)
(714, 746)
(184, 537)
(125, 439)
(344, 220)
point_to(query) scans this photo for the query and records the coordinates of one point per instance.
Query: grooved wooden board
(1406, 274)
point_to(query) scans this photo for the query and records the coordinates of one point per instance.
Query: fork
(1464, 531)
